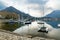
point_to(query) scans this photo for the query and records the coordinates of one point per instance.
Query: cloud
(40, 2)
(35, 13)
(54, 4)
(34, 7)
(37, 7)
(2, 6)
(8, 2)
(18, 4)
(50, 5)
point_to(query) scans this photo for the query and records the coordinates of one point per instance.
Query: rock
(6, 35)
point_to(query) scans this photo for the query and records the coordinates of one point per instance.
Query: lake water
(33, 28)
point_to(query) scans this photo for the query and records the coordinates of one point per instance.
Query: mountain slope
(8, 15)
(14, 10)
(54, 14)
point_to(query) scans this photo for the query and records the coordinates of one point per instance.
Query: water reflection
(10, 26)
(54, 24)
(32, 29)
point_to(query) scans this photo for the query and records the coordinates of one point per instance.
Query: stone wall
(6, 35)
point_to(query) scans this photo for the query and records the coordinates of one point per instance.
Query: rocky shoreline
(6, 35)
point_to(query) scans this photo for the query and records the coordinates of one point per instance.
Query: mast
(43, 15)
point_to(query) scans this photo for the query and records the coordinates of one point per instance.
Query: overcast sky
(33, 7)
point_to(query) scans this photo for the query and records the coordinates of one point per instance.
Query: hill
(14, 10)
(54, 14)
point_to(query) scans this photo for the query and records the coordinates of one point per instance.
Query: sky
(32, 7)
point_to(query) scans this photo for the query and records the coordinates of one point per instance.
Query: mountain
(13, 13)
(14, 10)
(8, 15)
(54, 14)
